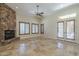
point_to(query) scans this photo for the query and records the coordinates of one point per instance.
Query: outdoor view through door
(60, 27)
(67, 31)
(70, 30)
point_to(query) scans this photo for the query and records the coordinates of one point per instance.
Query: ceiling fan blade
(42, 13)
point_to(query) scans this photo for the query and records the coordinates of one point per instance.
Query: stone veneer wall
(7, 19)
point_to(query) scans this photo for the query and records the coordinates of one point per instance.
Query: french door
(66, 29)
(60, 29)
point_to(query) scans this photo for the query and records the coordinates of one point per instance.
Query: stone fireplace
(7, 22)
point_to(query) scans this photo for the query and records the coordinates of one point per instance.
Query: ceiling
(28, 9)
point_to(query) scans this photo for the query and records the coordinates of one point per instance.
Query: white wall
(50, 22)
(26, 19)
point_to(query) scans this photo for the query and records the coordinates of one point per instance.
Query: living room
(39, 29)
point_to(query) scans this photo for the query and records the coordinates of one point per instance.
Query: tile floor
(40, 47)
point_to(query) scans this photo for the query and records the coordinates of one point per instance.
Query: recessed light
(16, 7)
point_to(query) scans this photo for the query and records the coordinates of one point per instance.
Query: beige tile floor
(40, 47)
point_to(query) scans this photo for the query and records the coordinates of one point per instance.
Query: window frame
(32, 27)
(29, 28)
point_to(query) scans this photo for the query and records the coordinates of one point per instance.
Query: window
(68, 16)
(24, 28)
(60, 29)
(70, 29)
(35, 28)
(42, 28)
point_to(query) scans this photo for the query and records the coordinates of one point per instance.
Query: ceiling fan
(39, 13)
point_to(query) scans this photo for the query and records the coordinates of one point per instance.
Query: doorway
(66, 29)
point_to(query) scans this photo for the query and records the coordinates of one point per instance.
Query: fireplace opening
(9, 34)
